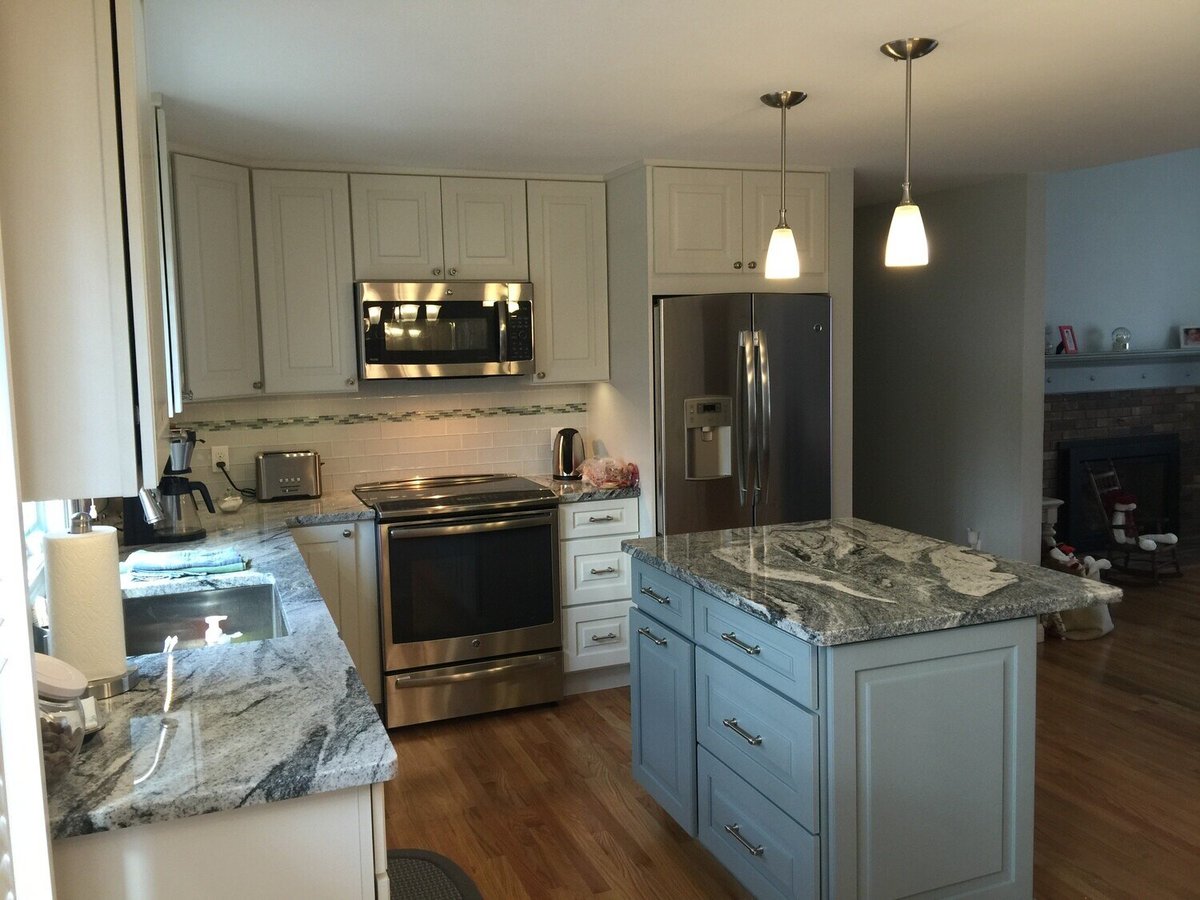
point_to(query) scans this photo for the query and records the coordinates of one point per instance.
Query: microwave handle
(502, 315)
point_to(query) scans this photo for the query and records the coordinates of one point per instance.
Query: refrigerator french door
(742, 410)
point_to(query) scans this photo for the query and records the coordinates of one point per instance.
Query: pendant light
(906, 244)
(783, 260)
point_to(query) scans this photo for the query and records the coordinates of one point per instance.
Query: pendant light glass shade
(906, 243)
(783, 260)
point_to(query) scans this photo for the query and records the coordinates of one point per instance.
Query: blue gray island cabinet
(843, 709)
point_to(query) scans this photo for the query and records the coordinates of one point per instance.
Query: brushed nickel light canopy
(906, 243)
(783, 259)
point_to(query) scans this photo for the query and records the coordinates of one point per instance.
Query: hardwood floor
(1118, 752)
(540, 802)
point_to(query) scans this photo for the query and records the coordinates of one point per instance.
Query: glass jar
(60, 714)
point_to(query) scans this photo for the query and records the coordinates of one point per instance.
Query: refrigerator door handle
(745, 407)
(762, 364)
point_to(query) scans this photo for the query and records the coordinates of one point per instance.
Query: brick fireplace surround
(1105, 414)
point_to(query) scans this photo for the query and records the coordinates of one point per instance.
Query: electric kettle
(566, 455)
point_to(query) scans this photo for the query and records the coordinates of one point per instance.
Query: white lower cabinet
(594, 581)
(341, 560)
(897, 767)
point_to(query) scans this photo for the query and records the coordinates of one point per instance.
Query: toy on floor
(1124, 525)
(1089, 567)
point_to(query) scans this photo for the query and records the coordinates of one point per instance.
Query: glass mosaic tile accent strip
(427, 415)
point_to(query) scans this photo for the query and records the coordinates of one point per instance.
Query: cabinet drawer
(769, 741)
(774, 857)
(594, 570)
(595, 636)
(663, 597)
(593, 518)
(774, 657)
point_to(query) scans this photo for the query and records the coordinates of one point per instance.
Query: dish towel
(196, 561)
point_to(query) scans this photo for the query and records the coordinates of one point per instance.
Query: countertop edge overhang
(842, 581)
(249, 723)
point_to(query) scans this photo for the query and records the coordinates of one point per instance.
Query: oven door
(453, 590)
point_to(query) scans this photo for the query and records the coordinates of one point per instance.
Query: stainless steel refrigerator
(742, 410)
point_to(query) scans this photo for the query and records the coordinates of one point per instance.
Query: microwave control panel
(520, 332)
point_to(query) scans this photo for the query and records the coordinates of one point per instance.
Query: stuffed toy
(1124, 525)
(1090, 567)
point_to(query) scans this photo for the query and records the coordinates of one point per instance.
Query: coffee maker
(181, 518)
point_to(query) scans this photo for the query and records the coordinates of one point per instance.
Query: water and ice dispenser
(708, 427)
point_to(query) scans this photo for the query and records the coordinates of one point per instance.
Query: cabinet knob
(452, 272)
(541, 374)
(738, 264)
(437, 271)
(258, 385)
(346, 532)
(349, 382)
(752, 265)
(187, 395)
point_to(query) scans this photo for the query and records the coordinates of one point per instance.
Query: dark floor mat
(424, 875)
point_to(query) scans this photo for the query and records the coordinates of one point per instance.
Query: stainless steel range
(468, 590)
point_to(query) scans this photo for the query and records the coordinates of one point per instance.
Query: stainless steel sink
(251, 609)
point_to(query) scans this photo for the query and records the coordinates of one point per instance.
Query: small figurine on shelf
(1121, 338)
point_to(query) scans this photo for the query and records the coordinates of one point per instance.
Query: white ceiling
(589, 86)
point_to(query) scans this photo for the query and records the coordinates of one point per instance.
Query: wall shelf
(1077, 373)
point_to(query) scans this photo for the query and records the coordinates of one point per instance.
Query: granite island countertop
(845, 580)
(247, 723)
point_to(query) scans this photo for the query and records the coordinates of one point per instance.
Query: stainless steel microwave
(457, 329)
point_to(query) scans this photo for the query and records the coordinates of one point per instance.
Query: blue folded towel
(174, 560)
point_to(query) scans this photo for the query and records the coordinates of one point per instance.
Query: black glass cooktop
(452, 494)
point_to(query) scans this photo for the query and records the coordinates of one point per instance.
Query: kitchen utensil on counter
(288, 475)
(181, 517)
(60, 687)
(566, 455)
(87, 620)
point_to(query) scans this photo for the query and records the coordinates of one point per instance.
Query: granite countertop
(248, 723)
(845, 580)
(579, 490)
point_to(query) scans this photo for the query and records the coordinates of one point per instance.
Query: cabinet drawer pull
(736, 831)
(752, 739)
(606, 637)
(662, 642)
(346, 532)
(607, 570)
(731, 638)
(657, 598)
(600, 518)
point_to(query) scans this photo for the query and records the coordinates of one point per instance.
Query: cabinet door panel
(302, 225)
(806, 214)
(595, 635)
(484, 227)
(216, 278)
(697, 220)
(397, 223)
(568, 264)
(662, 701)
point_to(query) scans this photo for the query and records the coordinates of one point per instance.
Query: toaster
(288, 475)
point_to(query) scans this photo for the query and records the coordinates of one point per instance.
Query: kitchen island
(838, 708)
(241, 769)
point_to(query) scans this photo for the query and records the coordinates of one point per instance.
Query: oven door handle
(424, 679)
(439, 527)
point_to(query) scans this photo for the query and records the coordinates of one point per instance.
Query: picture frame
(1189, 336)
(1066, 335)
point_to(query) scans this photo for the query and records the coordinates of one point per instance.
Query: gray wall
(1121, 250)
(948, 369)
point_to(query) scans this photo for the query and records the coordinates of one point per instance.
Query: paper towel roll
(83, 587)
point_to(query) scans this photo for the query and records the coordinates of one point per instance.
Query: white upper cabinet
(806, 205)
(397, 227)
(568, 265)
(216, 279)
(68, 222)
(305, 280)
(422, 228)
(484, 227)
(719, 221)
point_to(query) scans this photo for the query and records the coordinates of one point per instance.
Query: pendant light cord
(906, 195)
(783, 160)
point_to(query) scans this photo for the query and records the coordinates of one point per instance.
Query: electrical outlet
(220, 454)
